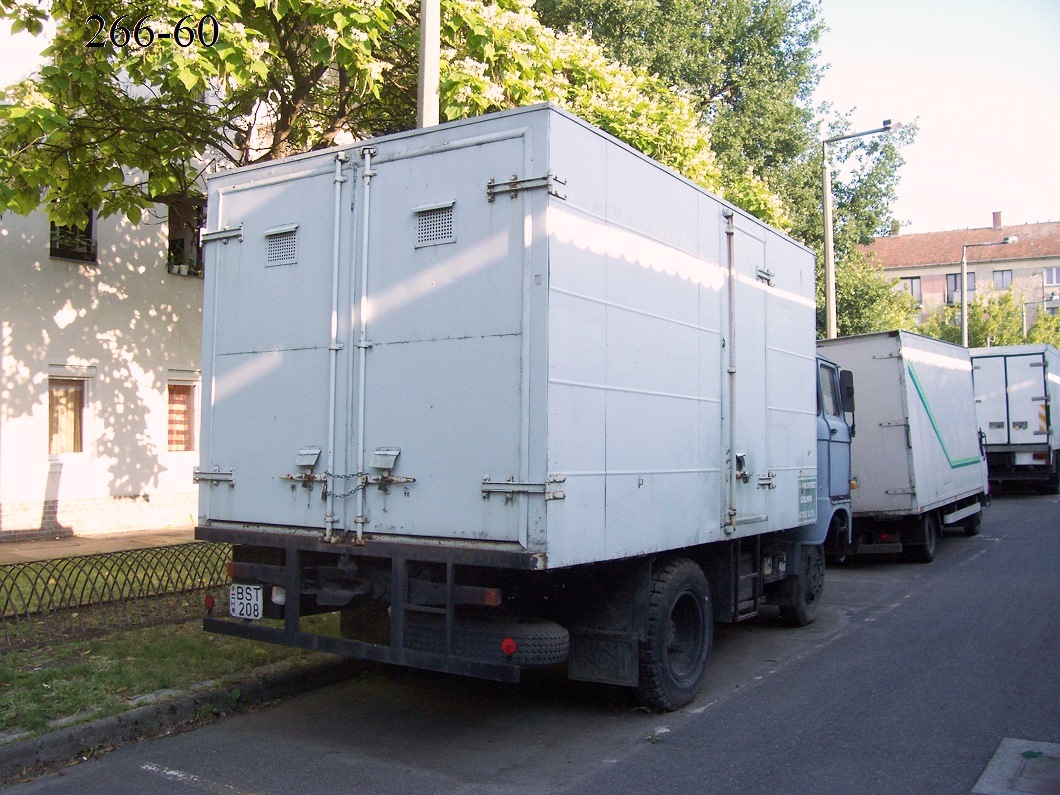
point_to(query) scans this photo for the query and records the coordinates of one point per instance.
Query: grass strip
(96, 678)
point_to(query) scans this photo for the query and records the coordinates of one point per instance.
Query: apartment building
(99, 361)
(928, 264)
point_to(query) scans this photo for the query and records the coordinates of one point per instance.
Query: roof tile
(943, 248)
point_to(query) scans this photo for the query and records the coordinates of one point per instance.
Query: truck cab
(835, 401)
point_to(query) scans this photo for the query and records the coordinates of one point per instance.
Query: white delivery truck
(1017, 398)
(916, 456)
(506, 393)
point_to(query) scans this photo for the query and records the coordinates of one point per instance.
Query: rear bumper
(462, 553)
(288, 636)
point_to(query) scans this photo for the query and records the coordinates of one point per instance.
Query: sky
(981, 79)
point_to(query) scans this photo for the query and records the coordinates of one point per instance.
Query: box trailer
(505, 393)
(916, 456)
(1017, 400)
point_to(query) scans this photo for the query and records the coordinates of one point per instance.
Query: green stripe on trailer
(954, 464)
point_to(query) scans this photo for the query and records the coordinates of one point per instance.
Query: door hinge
(215, 476)
(515, 184)
(510, 487)
(224, 235)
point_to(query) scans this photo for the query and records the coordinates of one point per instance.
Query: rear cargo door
(991, 398)
(271, 295)
(1027, 399)
(444, 377)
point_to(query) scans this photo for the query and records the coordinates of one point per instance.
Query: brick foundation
(95, 516)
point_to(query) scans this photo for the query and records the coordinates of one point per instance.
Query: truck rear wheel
(807, 589)
(923, 551)
(678, 635)
(973, 524)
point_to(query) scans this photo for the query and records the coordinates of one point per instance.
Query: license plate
(244, 601)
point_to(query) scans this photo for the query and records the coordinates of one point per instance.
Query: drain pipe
(730, 232)
(334, 348)
(362, 339)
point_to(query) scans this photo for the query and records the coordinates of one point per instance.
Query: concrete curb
(85, 738)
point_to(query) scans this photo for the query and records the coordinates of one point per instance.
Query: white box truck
(1017, 399)
(916, 456)
(506, 393)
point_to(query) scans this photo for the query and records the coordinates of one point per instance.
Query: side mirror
(846, 390)
(846, 395)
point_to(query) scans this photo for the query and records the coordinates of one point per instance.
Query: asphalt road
(907, 683)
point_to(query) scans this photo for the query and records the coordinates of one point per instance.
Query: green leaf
(187, 77)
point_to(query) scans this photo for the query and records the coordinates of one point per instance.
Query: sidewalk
(25, 551)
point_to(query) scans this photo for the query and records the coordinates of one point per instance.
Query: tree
(751, 66)
(122, 126)
(991, 321)
(866, 300)
(1046, 329)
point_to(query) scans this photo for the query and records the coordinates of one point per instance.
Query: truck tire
(679, 629)
(1053, 486)
(973, 524)
(806, 589)
(923, 551)
(538, 642)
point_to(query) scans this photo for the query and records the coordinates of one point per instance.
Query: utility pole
(427, 86)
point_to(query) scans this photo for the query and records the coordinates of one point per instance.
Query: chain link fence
(50, 601)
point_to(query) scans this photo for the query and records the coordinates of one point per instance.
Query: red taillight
(208, 603)
(509, 647)
(888, 538)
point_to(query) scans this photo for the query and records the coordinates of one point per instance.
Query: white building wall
(128, 328)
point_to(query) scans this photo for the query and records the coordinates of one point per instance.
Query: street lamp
(964, 281)
(829, 254)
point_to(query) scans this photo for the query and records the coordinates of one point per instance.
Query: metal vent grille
(434, 225)
(282, 247)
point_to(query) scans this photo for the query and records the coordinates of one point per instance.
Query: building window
(186, 219)
(1052, 276)
(953, 287)
(181, 418)
(66, 415)
(1002, 280)
(73, 242)
(911, 285)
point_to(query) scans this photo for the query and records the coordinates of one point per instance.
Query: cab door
(833, 433)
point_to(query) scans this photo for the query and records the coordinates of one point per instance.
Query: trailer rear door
(991, 398)
(269, 290)
(444, 377)
(1027, 399)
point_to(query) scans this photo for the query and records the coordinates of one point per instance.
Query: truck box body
(1017, 399)
(916, 447)
(544, 361)
(506, 393)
